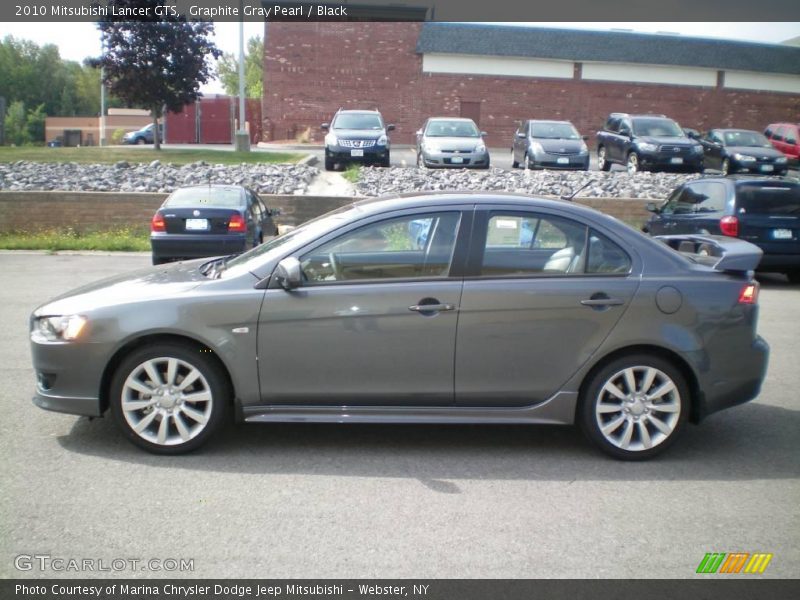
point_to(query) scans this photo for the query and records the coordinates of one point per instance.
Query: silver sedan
(451, 142)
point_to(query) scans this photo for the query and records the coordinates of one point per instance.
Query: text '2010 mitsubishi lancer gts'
(451, 308)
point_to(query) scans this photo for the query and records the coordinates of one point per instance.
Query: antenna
(573, 194)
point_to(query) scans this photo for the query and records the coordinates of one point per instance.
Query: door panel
(358, 344)
(520, 340)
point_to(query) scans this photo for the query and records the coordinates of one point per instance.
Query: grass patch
(135, 154)
(130, 240)
(352, 173)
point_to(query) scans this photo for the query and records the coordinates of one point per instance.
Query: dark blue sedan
(209, 220)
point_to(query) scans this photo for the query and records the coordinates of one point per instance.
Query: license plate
(563, 161)
(782, 234)
(767, 168)
(196, 224)
(676, 160)
(355, 152)
(457, 160)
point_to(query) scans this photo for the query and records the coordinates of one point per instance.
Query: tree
(16, 124)
(228, 70)
(158, 63)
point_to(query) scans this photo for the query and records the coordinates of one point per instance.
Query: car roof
(734, 129)
(548, 121)
(741, 179)
(450, 119)
(357, 111)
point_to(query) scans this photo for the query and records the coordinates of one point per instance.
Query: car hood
(358, 134)
(670, 141)
(144, 284)
(559, 145)
(756, 151)
(466, 144)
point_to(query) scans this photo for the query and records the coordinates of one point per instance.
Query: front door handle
(423, 308)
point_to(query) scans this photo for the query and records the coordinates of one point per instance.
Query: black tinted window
(657, 127)
(357, 121)
(776, 199)
(604, 256)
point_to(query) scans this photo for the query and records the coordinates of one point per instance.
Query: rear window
(202, 196)
(776, 199)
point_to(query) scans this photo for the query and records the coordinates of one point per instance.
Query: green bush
(116, 137)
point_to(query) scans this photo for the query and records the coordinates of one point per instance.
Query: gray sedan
(451, 142)
(549, 145)
(452, 308)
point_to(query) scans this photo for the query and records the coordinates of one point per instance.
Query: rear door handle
(603, 301)
(431, 307)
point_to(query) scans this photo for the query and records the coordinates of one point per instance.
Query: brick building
(499, 75)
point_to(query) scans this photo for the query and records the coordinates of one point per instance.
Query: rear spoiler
(722, 253)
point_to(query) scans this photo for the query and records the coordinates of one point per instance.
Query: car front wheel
(633, 163)
(634, 407)
(726, 167)
(169, 398)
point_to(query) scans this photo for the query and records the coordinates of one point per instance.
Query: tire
(793, 276)
(725, 167)
(632, 164)
(420, 161)
(386, 162)
(329, 164)
(602, 161)
(140, 141)
(189, 423)
(514, 163)
(529, 164)
(628, 424)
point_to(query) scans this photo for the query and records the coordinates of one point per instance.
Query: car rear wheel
(602, 161)
(794, 276)
(632, 165)
(169, 398)
(635, 406)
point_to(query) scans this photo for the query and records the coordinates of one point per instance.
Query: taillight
(236, 223)
(157, 224)
(729, 226)
(749, 294)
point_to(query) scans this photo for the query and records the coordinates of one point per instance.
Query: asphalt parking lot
(302, 500)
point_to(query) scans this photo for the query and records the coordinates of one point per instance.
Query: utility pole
(102, 92)
(242, 137)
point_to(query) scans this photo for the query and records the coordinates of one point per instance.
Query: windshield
(775, 199)
(657, 128)
(357, 121)
(554, 131)
(452, 129)
(746, 138)
(205, 196)
(307, 232)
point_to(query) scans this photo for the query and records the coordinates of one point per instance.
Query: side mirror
(652, 207)
(325, 126)
(288, 273)
(484, 134)
(625, 131)
(585, 138)
(390, 127)
(419, 131)
(521, 135)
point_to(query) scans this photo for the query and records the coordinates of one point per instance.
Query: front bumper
(475, 160)
(671, 160)
(369, 155)
(191, 245)
(68, 377)
(545, 160)
(759, 166)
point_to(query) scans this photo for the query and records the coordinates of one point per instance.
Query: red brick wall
(312, 69)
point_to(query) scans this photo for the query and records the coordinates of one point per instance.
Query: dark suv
(356, 136)
(762, 211)
(647, 142)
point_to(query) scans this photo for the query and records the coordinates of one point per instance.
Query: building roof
(607, 46)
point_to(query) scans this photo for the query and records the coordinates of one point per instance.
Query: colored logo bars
(734, 562)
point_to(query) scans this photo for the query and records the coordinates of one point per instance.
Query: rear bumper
(372, 154)
(189, 245)
(743, 381)
(779, 262)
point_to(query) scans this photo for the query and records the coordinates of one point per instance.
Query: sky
(77, 41)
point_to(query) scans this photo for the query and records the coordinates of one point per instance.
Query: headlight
(430, 147)
(383, 140)
(58, 329)
(330, 140)
(744, 157)
(584, 149)
(481, 147)
(781, 160)
(537, 148)
(697, 149)
(645, 147)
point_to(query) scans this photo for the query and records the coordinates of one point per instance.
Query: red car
(786, 138)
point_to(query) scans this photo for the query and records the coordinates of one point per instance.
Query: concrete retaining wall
(93, 211)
